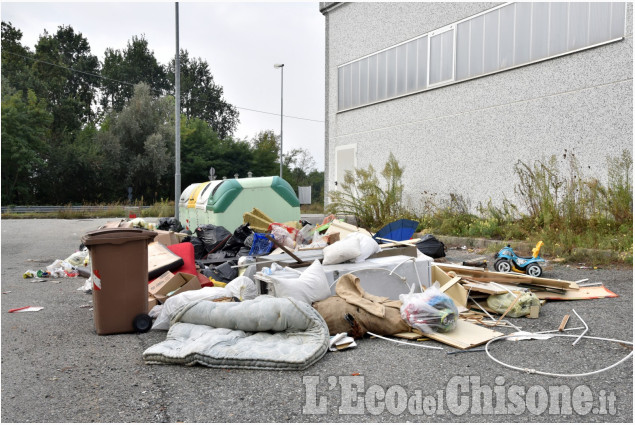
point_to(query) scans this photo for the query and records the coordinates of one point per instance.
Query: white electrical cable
(585, 326)
(561, 375)
(414, 265)
(402, 342)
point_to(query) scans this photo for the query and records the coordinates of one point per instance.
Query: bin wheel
(142, 323)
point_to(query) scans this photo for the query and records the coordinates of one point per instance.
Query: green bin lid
(116, 236)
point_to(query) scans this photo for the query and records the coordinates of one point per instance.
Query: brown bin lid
(116, 236)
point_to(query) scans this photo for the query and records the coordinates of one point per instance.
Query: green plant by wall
(372, 204)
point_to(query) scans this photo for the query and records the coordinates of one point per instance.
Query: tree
(16, 60)
(24, 127)
(199, 151)
(300, 164)
(201, 97)
(139, 145)
(266, 150)
(67, 76)
(125, 68)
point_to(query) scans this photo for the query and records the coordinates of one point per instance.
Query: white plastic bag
(340, 251)
(367, 246)
(79, 258)
(310, 286)
(430, 311)
(242, 288)
(282, 236)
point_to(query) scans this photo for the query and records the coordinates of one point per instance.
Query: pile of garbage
(349, 282)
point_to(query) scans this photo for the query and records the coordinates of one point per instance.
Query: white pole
(281, 115)
(177, 120)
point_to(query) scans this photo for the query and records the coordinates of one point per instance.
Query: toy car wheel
(142, 323)
(503, 265)
(534, 270)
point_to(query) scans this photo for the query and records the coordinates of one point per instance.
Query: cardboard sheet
(511, 278)
(585, 293)
(161, 259)
(465, 335)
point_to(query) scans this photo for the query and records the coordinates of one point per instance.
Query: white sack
(311, 286)
(340, 251)
(367, 246)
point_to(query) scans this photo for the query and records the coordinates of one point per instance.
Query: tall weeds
(372, 204)
(557, 204)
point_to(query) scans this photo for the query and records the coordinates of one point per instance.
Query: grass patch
(314, 208)
(115, 210)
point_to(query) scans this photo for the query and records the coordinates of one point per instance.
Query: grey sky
(240, 41)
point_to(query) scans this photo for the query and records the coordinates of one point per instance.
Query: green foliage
(362, 196)
(139, 144)
(201, 97)
(24, 128)
(134, 64)
(618, 197)
(16, 65)
(266, 154)
(79, 152)
(565, 209)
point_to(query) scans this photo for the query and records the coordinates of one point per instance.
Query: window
(501, 38)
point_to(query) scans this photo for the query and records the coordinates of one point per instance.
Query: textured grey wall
(465, 138)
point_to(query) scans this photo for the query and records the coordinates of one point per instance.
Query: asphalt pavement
(55, 368)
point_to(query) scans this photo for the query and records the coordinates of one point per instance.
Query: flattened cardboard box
(168, 238)
(151, 302)
(169, 284)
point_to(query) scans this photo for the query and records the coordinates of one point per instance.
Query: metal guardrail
(55, 208)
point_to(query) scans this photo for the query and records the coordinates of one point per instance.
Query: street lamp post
(281, 66)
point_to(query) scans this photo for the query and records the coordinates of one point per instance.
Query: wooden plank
(488, 276)
(391, 243)
(563, 324)
(465, 335)
(407, 335)
(344, 228)
(486, 288)
(285, 249)
(534, 312)
(508, 309)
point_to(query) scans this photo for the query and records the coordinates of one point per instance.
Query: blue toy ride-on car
(507, 261)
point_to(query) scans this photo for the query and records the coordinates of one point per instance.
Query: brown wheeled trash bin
(119, 269)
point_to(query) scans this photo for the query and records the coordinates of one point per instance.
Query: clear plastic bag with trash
(429, 311)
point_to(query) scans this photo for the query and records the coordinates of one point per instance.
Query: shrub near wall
(564, 208)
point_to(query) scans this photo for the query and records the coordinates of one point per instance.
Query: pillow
(311, 286)
(340, 251)
(367, 246)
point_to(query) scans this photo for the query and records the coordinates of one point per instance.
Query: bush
(362, 197)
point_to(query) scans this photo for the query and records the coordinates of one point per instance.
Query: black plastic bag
(237, 240)
(169, 224)
(431, 246)
(213, 237)
(223, 273)
(243, 251)
(199, 248)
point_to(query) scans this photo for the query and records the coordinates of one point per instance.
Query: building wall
(465, 138)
